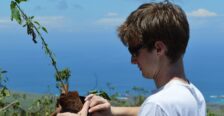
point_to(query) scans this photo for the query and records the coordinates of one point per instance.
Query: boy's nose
(133, 60)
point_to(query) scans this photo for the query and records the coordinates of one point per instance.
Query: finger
(95, 100)
(58, 109)
(89, 97)
(97, 114)
(85, 108)
(67, 114)
(99, 107)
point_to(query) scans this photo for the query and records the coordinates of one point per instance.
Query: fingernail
(86, 99)
(89, 111)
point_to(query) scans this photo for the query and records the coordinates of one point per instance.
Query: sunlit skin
(156, 65)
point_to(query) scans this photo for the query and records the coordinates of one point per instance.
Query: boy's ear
(160, 47)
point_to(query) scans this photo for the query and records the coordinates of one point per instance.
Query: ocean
(100, 61)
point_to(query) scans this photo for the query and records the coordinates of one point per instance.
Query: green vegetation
(28, 104)
(16, 104)
(25, 104)
(215, 109)
(44, 105)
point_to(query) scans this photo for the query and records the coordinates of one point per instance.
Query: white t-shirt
(174, 99)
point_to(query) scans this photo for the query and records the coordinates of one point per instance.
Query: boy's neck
(169, 72)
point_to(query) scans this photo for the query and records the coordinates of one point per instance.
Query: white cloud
(110, 19)
(202, 13)
(51, 20)
(111, 14)
(4, 21)
(47, 21)
(59, 23)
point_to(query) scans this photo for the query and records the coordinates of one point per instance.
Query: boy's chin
(146, 76)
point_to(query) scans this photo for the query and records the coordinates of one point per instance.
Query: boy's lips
(140, 68)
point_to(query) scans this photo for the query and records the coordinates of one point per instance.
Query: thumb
(85, 108)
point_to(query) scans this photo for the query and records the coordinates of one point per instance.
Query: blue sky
(106, 15)
(78, 28)
(74, 18)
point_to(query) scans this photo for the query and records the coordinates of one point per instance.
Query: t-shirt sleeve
(151, 109)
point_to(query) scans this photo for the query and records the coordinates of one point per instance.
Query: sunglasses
(134, 51)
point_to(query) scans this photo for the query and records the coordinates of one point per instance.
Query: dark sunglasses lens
(130, 50)
(135, 50)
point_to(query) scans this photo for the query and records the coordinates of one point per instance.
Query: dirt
(71, 102)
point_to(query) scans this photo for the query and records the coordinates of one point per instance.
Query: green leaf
(37, 23)
(12, 7)
(17, 104)
(100, 93)
(25, 25)
(104, 95)
(31, 17)
(92, 92)
(4, 71)
(44, 29)
(63, 74)
(13, 4)
(15, 14)
(18, 1)
(4, 92)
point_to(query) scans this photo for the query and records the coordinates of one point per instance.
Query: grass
(39, 104)
(215, 109)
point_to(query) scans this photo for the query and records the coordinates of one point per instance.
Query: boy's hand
(83, 112)
(99, 106)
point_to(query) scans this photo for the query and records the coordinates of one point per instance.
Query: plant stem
(49, 52)
(4, 108)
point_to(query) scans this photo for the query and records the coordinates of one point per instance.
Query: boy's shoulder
(176, 93)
